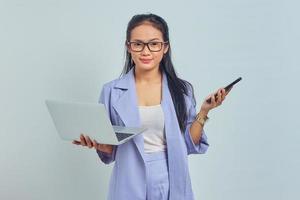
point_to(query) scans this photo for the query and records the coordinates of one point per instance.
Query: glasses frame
(145, 44)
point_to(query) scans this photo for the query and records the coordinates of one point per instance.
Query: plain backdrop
(67, 49)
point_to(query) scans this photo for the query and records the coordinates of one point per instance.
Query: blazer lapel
(127, 107)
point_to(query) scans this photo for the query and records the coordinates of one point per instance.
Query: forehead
(145, 32)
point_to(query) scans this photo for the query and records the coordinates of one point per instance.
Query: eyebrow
(137, 40)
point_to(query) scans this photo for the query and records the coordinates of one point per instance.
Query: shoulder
(188, 88)
(189, 93)
(106, 93)
(110, 84)
(116, 87)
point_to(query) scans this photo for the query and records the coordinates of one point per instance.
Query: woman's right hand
(86, 141)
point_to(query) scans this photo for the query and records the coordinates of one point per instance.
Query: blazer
(128, 178)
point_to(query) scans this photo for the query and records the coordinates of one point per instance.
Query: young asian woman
(154, 164)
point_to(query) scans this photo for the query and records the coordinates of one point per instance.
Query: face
(146, 59)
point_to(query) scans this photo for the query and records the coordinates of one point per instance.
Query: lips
(145, 61)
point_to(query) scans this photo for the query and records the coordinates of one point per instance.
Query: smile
(145, 61)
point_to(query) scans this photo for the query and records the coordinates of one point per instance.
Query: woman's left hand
(215, 102)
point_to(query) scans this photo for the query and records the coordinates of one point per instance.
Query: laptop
(73, 118)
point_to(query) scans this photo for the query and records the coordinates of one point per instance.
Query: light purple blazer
(128, 179)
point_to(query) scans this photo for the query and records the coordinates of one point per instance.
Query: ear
(127, 47)
(166, 48)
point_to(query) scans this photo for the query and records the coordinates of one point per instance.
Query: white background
(63, 49)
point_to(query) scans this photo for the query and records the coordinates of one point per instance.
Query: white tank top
(152, 118)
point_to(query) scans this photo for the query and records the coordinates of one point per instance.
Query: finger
(219, 99)
(76, 142)
(213, 100)
(216, 96)
(208, 99)
(82, 140)
(88, 141)
(94, 144)
(223, 94)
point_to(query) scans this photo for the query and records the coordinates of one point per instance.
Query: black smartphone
(227, 88)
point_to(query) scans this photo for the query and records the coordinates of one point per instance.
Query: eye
(137, 44)
(154, 43)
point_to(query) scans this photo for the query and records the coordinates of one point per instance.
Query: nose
(146, 50)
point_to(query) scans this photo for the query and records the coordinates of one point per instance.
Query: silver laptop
(72, 119)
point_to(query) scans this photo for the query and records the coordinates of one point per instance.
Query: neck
(148, 76)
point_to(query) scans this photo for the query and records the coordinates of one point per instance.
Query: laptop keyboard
(122, 136)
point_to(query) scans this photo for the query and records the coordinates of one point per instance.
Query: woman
(154, 164)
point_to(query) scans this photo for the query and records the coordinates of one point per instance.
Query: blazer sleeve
(193, 148)
(105, 99)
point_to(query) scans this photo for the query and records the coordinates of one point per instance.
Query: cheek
(158, 57)
(134, 57)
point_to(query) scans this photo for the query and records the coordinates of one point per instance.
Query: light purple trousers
(157, 176)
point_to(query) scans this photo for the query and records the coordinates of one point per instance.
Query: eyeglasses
(152, 46)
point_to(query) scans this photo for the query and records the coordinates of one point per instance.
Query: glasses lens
(136, 46)
(155, 46)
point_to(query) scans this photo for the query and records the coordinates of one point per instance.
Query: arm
(195, 137)
(194, 134)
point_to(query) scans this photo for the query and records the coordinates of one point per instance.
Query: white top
(152, 118)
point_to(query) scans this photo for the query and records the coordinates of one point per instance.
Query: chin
(146, 67)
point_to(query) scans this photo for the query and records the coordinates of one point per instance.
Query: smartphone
(227, 88)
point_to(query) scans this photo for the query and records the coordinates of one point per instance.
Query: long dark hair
(178, 87)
